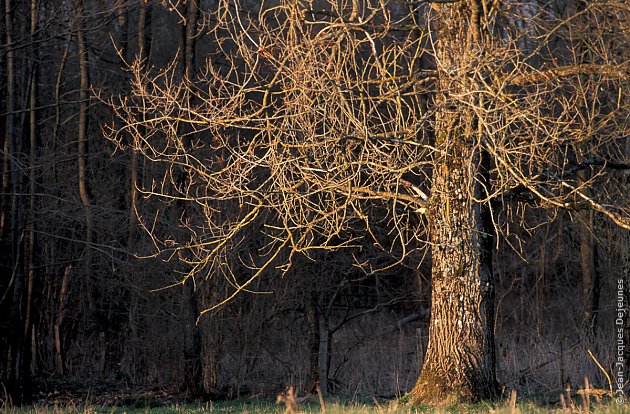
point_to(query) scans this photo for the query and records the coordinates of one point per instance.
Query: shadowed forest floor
(530, 404)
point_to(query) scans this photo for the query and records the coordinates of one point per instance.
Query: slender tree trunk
(143, 53)
(192, 343)
(59, 319)
(191, 37)
(590, 274)
(58, 83)
(144, 29)
(460, 363)
(122, 19)
(325, 353)
(12, 234)
(310, 311)
(17, 382)
(32, 179)
(588, 246)
(84, 192)
(82, 156)
(182, 38)
(30, 323)
(9, 120)
(121, 13)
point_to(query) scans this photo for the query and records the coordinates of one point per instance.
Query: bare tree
(82, 157)
(325, 125)
(13, 217)
(143, 54)
(9, 118)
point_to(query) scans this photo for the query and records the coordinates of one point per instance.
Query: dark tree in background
(220, 198)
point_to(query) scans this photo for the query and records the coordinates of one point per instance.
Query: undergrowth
(532, 405)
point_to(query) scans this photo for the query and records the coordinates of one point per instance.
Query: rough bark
(460, 361)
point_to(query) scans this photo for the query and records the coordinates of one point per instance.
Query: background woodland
(87, 304)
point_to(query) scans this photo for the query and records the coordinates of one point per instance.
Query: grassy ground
(264, 406)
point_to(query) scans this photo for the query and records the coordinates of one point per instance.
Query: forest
(221, 199)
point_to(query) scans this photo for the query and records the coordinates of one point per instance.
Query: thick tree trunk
(460, 361)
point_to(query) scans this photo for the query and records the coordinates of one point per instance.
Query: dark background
(372, 329)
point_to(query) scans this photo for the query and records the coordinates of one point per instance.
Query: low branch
(417, 2)
(587, 69)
